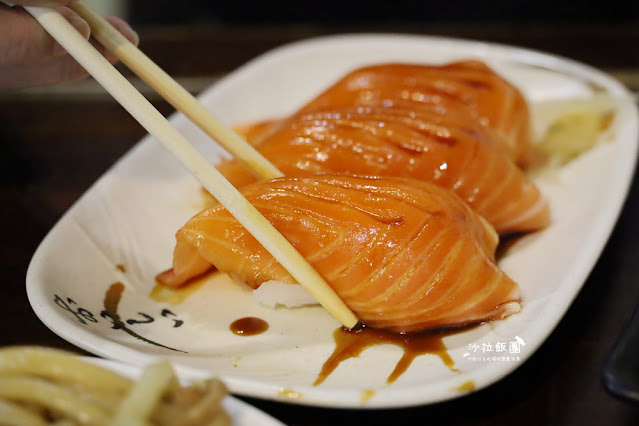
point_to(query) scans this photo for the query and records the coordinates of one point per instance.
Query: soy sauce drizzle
(351, 343)
(111, 303)
(249, 326)
(177, 295)
(467, 386)
(367, 395)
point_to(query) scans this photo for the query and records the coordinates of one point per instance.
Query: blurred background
(366, 12)
(583, 26)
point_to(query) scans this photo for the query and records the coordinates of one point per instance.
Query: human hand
(29, 56)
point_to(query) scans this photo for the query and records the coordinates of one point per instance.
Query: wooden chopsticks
(174, 93)
(155, 123)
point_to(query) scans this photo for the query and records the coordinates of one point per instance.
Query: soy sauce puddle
(351, 343)
(348, 343)
(248, 326)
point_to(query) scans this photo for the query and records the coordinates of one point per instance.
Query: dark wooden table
(57, 141)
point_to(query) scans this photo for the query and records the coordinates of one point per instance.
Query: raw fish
(425, 142)
(403, 254)
(469, 86)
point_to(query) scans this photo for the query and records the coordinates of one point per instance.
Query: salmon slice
(425, 142)
(403, 254)
(469, 86)
(255, 133)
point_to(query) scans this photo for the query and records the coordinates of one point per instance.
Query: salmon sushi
(465, 86)
(425, 142)
(403, 254)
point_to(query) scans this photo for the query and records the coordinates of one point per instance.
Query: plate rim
(415, 394)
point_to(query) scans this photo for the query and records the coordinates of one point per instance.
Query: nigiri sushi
(403, 254)
(425, 142)
(469, 86)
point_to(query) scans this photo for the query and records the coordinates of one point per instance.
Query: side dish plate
(241, 413)
(122, 231)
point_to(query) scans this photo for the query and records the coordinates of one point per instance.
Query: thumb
(23, 42)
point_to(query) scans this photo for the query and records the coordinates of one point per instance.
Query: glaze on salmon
(465, 86)
(425, 142)
(403, 254)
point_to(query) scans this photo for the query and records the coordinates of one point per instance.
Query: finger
(23, 41)
(55, 71)
(77, 22)
(58, 70)
(124, 28)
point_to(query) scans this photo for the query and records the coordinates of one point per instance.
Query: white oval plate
(241, 413)
(122, 230)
